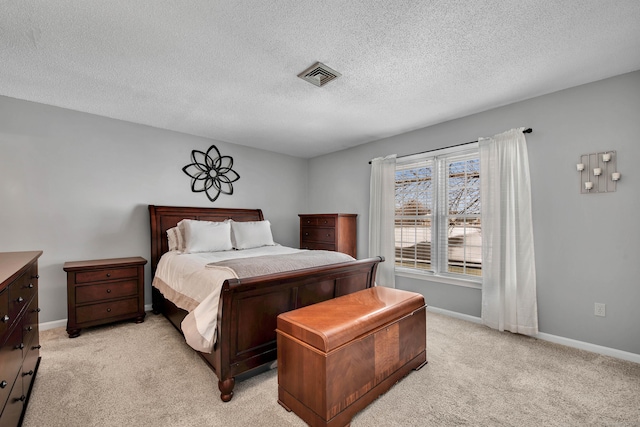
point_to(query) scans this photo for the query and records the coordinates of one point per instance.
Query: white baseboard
(63, 322)
(461, 316)
(594, 348)
(52, 325)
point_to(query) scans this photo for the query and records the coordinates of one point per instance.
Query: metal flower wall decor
(212, 173)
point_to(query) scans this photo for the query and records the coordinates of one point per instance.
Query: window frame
(439, 159)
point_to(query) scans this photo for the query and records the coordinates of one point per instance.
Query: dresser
(20, 350)
(329, 232)
(104, 291)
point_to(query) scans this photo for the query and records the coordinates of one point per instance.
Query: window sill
(438, 278)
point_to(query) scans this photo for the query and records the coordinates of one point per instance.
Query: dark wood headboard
(163, 218)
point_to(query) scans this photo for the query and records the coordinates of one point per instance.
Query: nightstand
(104, 291)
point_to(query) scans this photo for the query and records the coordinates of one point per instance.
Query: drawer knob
(3, 384)
(26, 374)
(108, 291)
(5, 319)
(36, 347)
(328, 235)
(20, 346)
(30, 286)
(37, 310)
(108, 274)
(21, 398)
(306, 234)
(29, 328)
(35, 277)
(108, 310)
(20, 299)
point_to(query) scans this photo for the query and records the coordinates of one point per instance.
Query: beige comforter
(193, 282)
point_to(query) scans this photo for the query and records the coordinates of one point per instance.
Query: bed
(248, 307)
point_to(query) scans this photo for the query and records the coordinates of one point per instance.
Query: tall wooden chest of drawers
(104, 291)
(19, 336)
(329, 232)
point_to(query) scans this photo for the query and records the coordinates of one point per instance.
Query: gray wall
(77, 187)
(586, 245)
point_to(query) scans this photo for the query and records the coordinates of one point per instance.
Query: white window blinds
(437, 214)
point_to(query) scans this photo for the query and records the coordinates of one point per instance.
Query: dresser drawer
(308, 220)
(29, 367)
(5, 320)
(106, 274)
(104, 291)
(318, 234)
(30, 331)
(10, 361)
(20, 294)
(106, 310)
(318, 246)
(318, 221)
(14, 406)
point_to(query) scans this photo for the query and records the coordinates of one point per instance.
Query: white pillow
(176, 239)
(251, 234)
(206, 236)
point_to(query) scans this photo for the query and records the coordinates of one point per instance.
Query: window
(437, 214)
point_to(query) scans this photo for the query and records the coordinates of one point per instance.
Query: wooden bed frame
(246, 337)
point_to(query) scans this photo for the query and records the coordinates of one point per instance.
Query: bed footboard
(246, 332)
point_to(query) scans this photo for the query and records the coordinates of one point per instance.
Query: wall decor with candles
(598, 172)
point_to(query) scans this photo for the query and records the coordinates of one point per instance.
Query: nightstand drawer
(106, 310)
(106, 274)
(104, 291)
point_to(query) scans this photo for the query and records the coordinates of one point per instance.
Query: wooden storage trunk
(337, 356)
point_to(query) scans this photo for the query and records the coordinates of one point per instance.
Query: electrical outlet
(599, 309)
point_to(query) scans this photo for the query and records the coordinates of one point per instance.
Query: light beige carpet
(144, 375)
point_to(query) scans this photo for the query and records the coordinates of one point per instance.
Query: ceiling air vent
(319, 74)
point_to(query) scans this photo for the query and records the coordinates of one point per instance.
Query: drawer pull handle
(108, 274)
(108, 291)
(20, 299)
(36, 347)
(3, 384)
(29, 328)
(20, 347)
(26, 374)
(5, 319)
(108, 310)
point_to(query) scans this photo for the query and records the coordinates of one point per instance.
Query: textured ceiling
(228, 70)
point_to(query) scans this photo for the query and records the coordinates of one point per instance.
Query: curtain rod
(527, 130)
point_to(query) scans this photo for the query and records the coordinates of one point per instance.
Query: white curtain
(508, 262)
(381, 217)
